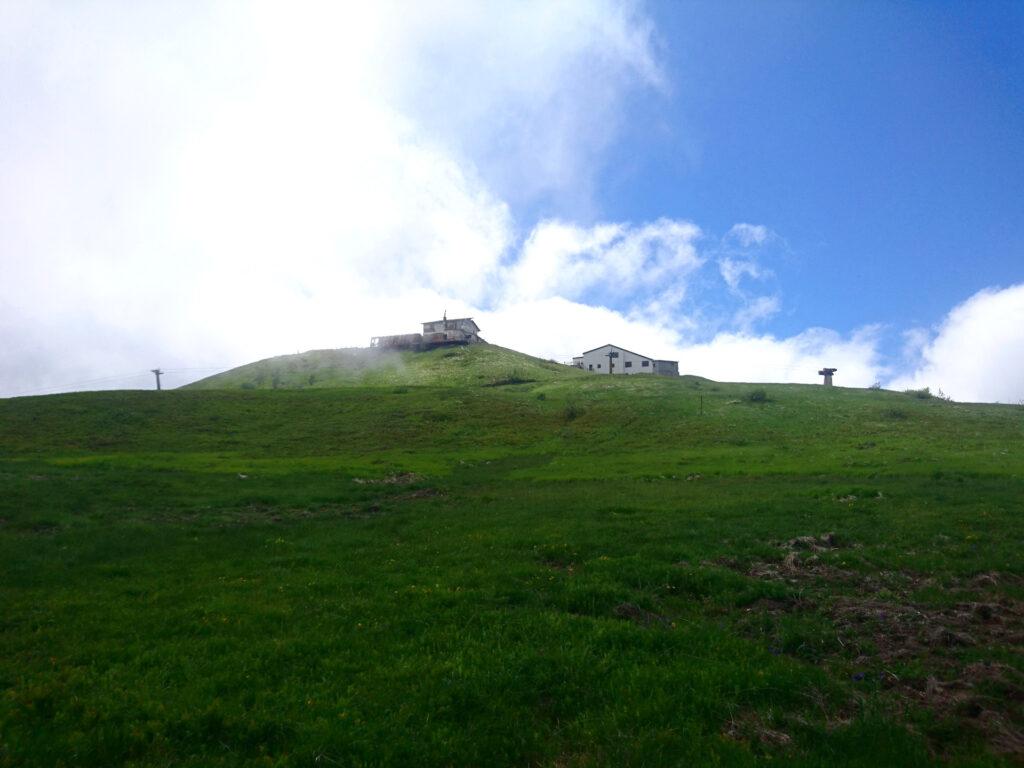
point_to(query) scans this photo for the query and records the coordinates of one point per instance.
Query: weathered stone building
(436, 333)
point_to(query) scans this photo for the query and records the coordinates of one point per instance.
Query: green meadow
(469, 557)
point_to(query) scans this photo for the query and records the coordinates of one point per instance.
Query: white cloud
(200, 185)
(613, 260)
(531, 92)
(193, 185)
(755, 311)
(977, 353)
(734, 270)
(558, 328)
(748, 235)
(745, 357)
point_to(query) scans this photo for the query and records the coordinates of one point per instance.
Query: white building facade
(615, 360)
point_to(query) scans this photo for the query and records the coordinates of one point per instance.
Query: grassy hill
(573, 571)
(474, 364)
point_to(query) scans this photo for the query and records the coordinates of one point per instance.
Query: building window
(629, 363)
(591, 367)
(645, 363)
(598, 365)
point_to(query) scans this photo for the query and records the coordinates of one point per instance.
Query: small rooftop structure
(827, 373)
(436, 333)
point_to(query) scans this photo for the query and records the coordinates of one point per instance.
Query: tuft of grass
(572, 411)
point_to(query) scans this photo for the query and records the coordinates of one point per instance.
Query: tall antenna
(158, 373)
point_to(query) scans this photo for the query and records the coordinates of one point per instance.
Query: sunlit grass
(405, 574)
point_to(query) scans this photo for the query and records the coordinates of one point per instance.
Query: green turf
(572, 571)
(447, 366)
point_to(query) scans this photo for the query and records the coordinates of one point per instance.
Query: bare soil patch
(638, 615)
(401, 478)
(750, 728)
(882, 631)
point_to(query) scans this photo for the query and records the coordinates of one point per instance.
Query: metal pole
(158, 373)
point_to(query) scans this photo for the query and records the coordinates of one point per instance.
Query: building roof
(625, 350)
(617, 347)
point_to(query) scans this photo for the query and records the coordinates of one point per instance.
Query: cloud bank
(195, 186)
(977, 353)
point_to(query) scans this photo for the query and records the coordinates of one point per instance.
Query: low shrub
(512, 377)
(921, 394)
(573, 411)
(756, 396)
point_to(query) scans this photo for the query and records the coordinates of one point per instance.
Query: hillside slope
(575, 571)
(473, 364)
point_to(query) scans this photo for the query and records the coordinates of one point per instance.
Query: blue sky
(754, 188)
(883, 142)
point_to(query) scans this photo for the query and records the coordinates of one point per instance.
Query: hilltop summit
(480, 363)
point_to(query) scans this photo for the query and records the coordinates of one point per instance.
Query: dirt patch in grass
(420, 493)
(750, 728)
(636, 614)
(823, 543)
(260, 514)
(35, 528)
(918, 652)
(558, 564)
(900, 631)
(400, 478)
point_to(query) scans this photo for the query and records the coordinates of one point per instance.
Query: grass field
(482, 559)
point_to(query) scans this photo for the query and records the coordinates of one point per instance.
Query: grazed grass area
(573, 571)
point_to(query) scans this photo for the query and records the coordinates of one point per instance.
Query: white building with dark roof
(616, 360)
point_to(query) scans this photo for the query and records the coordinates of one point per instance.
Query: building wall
(465, 324)
(666, 367)
(596, 361)
(458, 330)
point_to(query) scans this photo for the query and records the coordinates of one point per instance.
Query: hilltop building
(617, 360)
(460, 331)
(436, 333)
